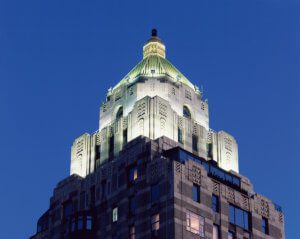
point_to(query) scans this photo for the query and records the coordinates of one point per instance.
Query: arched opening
(119, 114)
(186, 112)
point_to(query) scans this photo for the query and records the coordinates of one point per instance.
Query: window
(124, 137)
(80, 223)
(215, 203)
(115, 214)
(195, 142)
(111, 147)
(180, 139)
(265, 225)
(132, 205)
(195, 223)
(132, 232)
(231, 235)
(155, 222)
(73, 227)
(67, 209)
(133, 174)
(155, 192)
(186, 112)
(215, 232)
(88, 223)
(119, 114)
(239, 217)
(196, 192)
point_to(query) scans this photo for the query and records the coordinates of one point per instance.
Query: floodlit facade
(155, 168)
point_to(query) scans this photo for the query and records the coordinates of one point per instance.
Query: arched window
(119, 114)
(186, 112)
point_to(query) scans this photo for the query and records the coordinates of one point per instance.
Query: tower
(154, 99)
(155, 169)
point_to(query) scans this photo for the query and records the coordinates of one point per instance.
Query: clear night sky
(58, 58)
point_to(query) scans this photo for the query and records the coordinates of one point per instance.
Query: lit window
(186, 112)
(265, 225)
(155, 222)
(216, 232)
(231, 235)
(196, 193)
(239, 217)
(115, 214)
(195, 223)
(132, 232)
(133, 174)
(155, 192)
(89, 223)
(215, 203)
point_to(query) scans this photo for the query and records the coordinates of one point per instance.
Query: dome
(155, 64)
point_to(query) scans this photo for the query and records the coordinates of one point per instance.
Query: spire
(154, 46)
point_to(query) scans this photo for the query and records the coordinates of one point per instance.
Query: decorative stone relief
(264, 208)
(195, 174)
(216, 188)
(230, 194)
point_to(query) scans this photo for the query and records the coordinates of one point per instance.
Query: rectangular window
(180, 139)
(155, 222)
(239, 217)
(111, 147)
(124, 137)
(195, 223)
(133, 174)
(195, 142)
(115, 214)
(215, 232)
(155, 192)
(68, 209)
(88, 223)
(80, 223)
(132, 232)
(215, 203)
(196, 193)
(265, 225)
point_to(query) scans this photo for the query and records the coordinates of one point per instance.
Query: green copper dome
(154, 64)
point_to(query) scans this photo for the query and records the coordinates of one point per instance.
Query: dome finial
(154, 32)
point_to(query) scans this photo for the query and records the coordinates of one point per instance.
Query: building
(155, 169)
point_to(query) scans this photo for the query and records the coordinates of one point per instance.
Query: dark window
(103, 189)
(186, 112)
(97, 153)
(196, 193)
(215, 203)
(93, 195)
(195, 142)
(68, 209)
(132, 205)
(80, 223)
(265, 225)
(155, 192)
(124, 137)
(133, 174)
(111, 147)
(239, 217)
(119, 114)
(180, 138)
(209, 150)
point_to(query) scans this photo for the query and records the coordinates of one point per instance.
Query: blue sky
(58, 58)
